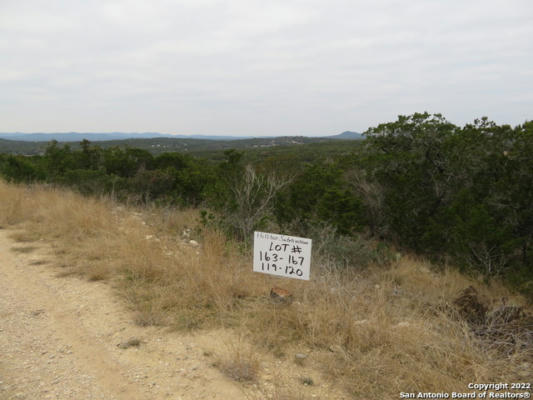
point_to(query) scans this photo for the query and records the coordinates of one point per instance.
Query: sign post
(280, 255)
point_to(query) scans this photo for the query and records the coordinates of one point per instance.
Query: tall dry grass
(376, 333)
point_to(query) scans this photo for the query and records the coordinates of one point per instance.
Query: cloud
(254, 67)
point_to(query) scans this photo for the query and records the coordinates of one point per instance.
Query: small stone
(299, 358)
(403, 324)
(336, 349)
(280, 295)
(193, 243)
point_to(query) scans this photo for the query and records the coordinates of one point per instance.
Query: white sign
(280, 255)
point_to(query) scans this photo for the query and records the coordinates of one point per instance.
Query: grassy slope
(374, 333)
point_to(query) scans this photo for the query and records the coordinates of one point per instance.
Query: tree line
(456, 194)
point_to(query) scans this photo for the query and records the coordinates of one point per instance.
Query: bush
(20, 169)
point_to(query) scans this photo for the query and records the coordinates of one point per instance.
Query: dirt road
(66, 338)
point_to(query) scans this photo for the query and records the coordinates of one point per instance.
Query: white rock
(403, 324)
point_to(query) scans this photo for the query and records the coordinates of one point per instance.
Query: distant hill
(160, 145)
(105, 136)
(21, 147)
(97, 137)
(348, 135)
(156, 143)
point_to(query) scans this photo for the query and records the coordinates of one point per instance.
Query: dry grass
(375, 333)
(24, 249)
(25, 237)
(240, 362)
(38, 262)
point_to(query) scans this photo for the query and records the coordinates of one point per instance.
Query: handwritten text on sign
(281, 255)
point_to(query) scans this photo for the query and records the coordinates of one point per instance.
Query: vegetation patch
(24, 237)
(380, 319)
(419, 184)
(38, 262)
(506, 328)
(399, 323)
(24, 249)
(241, 364)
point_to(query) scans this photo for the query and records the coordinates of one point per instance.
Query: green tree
(20, 169)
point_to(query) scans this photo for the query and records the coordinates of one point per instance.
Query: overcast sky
(247, 67)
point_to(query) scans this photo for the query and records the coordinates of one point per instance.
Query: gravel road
(66, 338)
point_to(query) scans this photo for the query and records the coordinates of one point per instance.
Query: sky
(253, 68)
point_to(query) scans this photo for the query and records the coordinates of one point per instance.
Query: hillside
(21, 147)
(454, 194)
(348, 135)
(96, 137)
(167, 144)
(375, 332)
